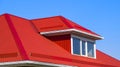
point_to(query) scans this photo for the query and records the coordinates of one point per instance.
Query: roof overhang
(32, 63)
(72, 31)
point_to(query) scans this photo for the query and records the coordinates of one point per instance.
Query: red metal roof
(20, 40)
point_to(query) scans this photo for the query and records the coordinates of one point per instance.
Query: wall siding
(62, 40)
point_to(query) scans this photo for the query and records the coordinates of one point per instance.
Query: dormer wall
(63, 41)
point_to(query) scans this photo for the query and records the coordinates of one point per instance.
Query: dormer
(72, 37)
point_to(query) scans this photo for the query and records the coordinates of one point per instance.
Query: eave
(72, 31)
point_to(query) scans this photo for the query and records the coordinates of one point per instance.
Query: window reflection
(90, 47)
(76, 46)
(83, 48)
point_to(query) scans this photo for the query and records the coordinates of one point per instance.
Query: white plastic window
(83, 47)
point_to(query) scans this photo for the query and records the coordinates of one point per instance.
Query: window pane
(83, 48)
(90, 47)
(76, 46)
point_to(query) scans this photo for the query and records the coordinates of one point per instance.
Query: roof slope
(107, 59)
(21, 41)
(8, 47)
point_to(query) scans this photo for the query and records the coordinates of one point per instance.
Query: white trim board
(70, 30)
(33, 62)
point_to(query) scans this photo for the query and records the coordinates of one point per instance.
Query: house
(49, 42)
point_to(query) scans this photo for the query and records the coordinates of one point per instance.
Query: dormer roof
(60, 25)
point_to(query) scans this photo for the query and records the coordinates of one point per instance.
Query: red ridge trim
(34, 27)
(16, 37)
(64, 20)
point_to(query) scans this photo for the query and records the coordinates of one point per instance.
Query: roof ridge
(16, 37)
(13, 15)
(46, 17)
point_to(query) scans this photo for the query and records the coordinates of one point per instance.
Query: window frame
(86, 41)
